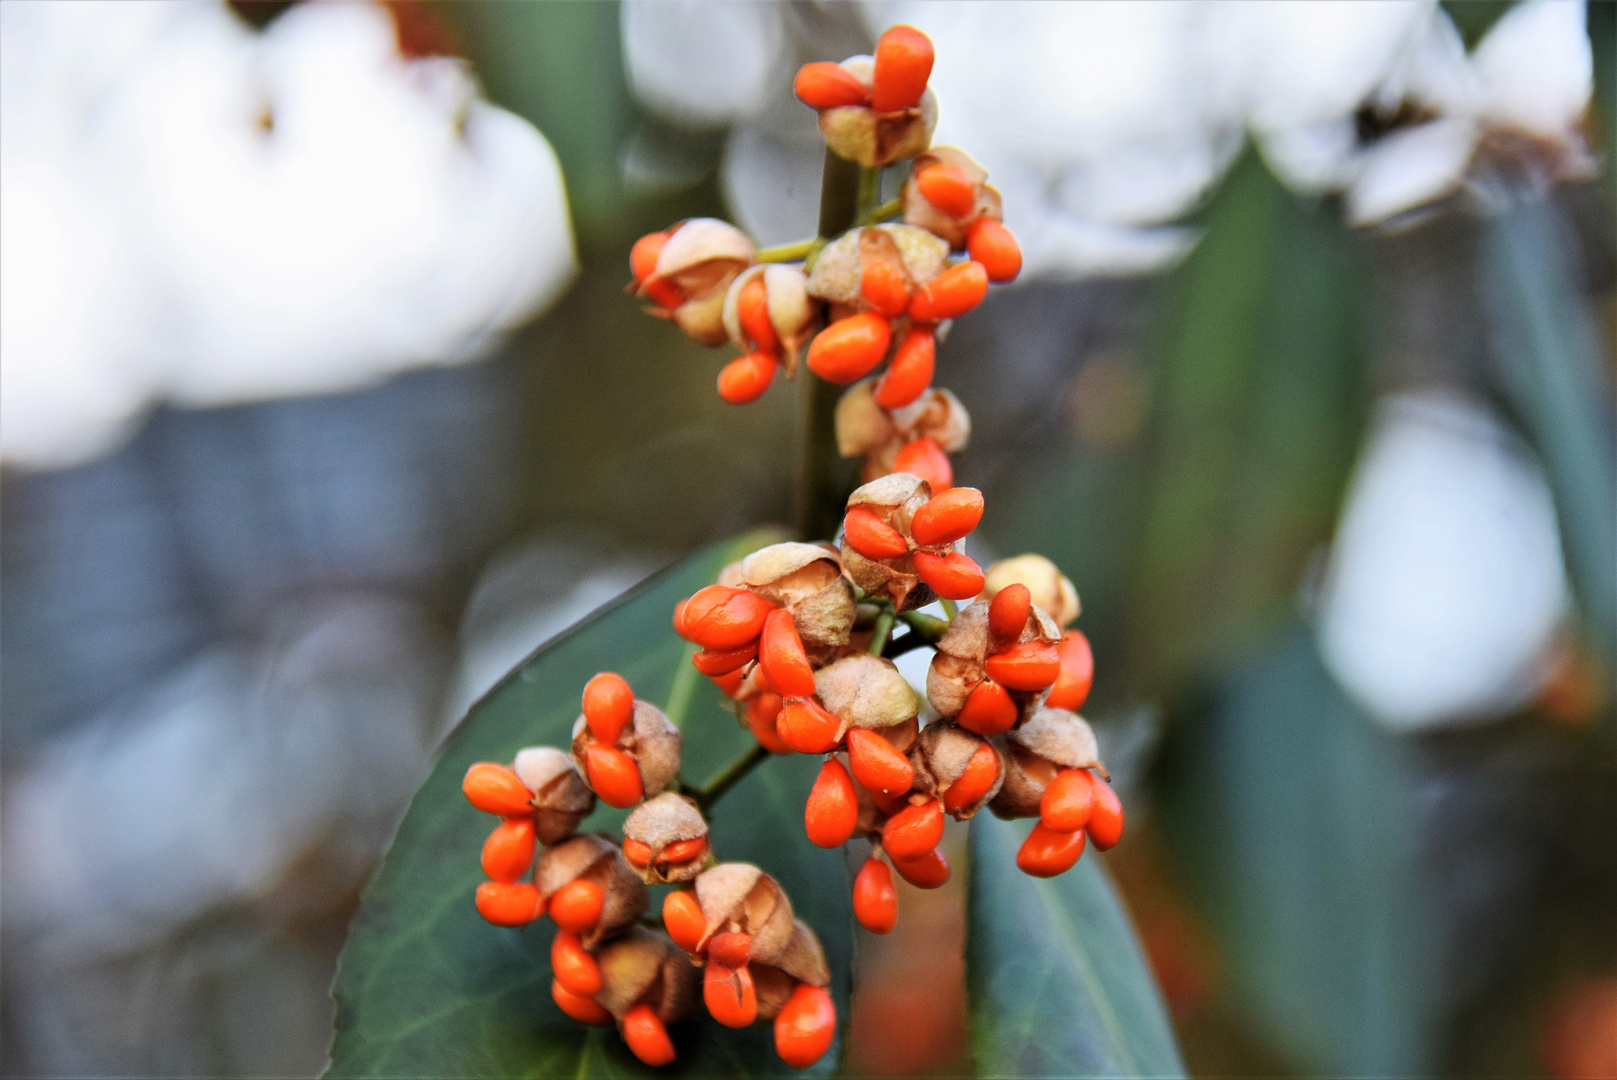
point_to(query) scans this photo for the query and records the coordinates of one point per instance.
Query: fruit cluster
(801, 636)
(760, 962)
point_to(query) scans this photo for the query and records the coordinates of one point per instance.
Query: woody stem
(710, 792)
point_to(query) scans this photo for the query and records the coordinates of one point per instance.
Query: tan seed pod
(561, 799)
(1052, 590)
(1052, 740)
(953, 230)
(866, 691)
(860, 133)
(839, 269)
(865, 428)
(702, 256)
(597, 860)
(958, 666)
(940, 757)
(702, 319)
(894, 499)
(651, 740)
(646, 967)
(793, 313)
(667, 819)
(741, 897)
(807, 580)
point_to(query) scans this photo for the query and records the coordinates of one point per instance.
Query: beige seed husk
(658, 822)
(650, 739)
(866, 691)
(702, 319)
(862, 426)
(644, 966)
(702, 256)
(859, 133)
(807, 580)
(940, 757)
(919, 212)
(739, 896)
(1051, 590)
(561, 798)
(595, 859)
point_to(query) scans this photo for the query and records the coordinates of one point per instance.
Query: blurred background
(321, 404)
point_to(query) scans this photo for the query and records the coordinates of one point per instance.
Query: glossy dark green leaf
(1057, 981)
(427, 988)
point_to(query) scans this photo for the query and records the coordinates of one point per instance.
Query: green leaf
(425, 987)
(1057, 982)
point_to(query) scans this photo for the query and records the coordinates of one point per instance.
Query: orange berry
(1105, 817)
(1077, 672)
(806, 726)
(930, 871)
(504, 903)
(988, 710)
(805, 1026)
(926, 459)
(646, 1036)
(717, 662)
(665, 294)
(1066, 803)
(574, 968)
(1028, 665)
(1046, 853)
(889, 804)
(875, 900)
(508, 851)
(577, 905)
(877, 764)
(495, 789)
(981, 772)
(752, 310)
(760, 715)
(903, 66)
(613, 775)
(683, 851)
(849, 348)
(636, 852)
(719, 617)
(910, 372)
(951, 294)
(832, 809)
(731, 950)
(947, 517)
(991, 244)
(729, 683)
(608, 706)
(683, 919)
(951, 575)
(948, 189)
(884, 287)
(583, 1009)
(872, 537)
(781, 655)
(824, 85)
(643, 256)
(1008, 611)
(729, 994)
(913, 831)
(744, 379)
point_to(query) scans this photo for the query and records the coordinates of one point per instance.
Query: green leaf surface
(425, 987)
(1057, 981)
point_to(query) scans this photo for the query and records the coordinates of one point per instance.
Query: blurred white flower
(204, 213)
(706, 63)
(1446, 583)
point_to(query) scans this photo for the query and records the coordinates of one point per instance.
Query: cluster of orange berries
(732, 934)
(881, 291)
(787, 633)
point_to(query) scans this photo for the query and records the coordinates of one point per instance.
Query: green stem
(949, 609)
(869, 191)
(884, 628)
(710, 792)
(931, 629)
(793, 252)
(887, 211)
(683, 690)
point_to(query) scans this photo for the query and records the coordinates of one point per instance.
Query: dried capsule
(910, 372)
(599, 866)
(1050, 588)
(1071, 688)
(958, 767)
(805, 1026)
(832, 809)
(875, 900)
(647, 983)
(508, 851)
(864, 691)
(669, 836)
(1035, 753)
(947, 517)
(561, 799)
(509, 904)
(872, 136)
(828, 86)
(961, 670)
(806, 580)
(903, 65)
(495, 789)
(641, 765)
(1046, 853)
(694, 268)
(947, 195)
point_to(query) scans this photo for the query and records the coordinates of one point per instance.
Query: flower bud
(839, 273)
(861, 134)
(1050, 741)
(943, 756)
(597, 861)
(671, 834)
(792, 313)
(650, 740)
(952, 223)
(645, 967)
(1051, 589)
(960, 663)
(697, 263)
(806, 580)
(561, 798)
